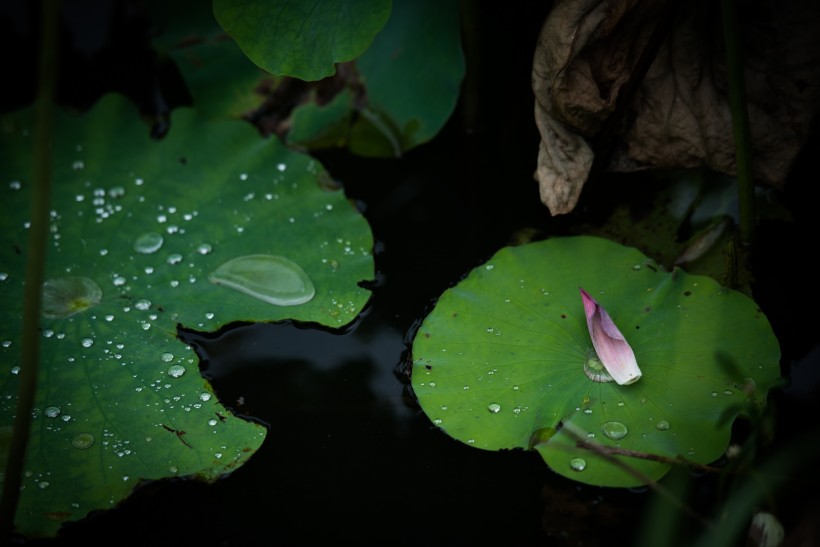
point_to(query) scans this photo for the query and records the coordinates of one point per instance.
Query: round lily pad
(499, 362)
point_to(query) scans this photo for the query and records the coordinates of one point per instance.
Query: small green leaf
(499, 363)
(302, 39)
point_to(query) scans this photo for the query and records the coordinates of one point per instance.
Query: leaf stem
(740, 120)
(42, 135)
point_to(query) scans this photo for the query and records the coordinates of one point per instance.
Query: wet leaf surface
(136, 228)
(499, 363)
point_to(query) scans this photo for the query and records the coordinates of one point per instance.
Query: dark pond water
(349, 457)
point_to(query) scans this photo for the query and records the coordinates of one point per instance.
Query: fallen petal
(612, 348)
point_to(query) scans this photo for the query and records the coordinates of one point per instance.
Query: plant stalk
(42, 135)
(740, 120)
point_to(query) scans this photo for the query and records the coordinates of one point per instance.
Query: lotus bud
(612, 348)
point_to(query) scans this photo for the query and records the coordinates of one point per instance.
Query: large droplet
(595, 370)
(270, 278)
(614, 430)
(83, 441)
(64, 296)
(148, 243)
(577, 464)
(52, 411)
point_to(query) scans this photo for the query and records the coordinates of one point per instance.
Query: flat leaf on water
(499, 362)
(136, 228)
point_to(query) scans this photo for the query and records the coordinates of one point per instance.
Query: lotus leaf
(500, 361)
(136, 229)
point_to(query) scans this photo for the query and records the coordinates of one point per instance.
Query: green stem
(740, 120)
(42, 135)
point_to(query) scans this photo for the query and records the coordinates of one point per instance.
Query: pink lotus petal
(612, 348)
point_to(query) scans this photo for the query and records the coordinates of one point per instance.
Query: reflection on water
(302, 357)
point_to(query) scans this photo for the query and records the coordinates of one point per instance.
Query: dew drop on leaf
(577, 464)
(83, 441)
(147, 243)
(614, 430)
(270, 278)
(51, 411)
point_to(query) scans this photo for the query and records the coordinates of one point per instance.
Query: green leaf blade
(499, 363)
(302, 39)
(114, 378)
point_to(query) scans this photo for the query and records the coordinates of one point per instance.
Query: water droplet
(142, 304)
(3, 276)
(662, 425)
(15, 185)
(51, 411)
(175, 258)
(494, 408)
(43, 484)
(148, 243)
(15, 370)
(636, 267)
(83, 441)
(204, 396)
(175, 371)
(204, 249)
(727, 392)
(595, 370)
(614, 430)
(209, 315)
(65, 296)
(87, 342)
(118, 280)
(577, 464)
(714, 394)
(167, 357)
(116, 192)
(270, 278)
(212, 422)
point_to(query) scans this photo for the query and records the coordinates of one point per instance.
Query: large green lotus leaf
(302, 39)
(116, 388)
(412, 76)
(499, 362)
